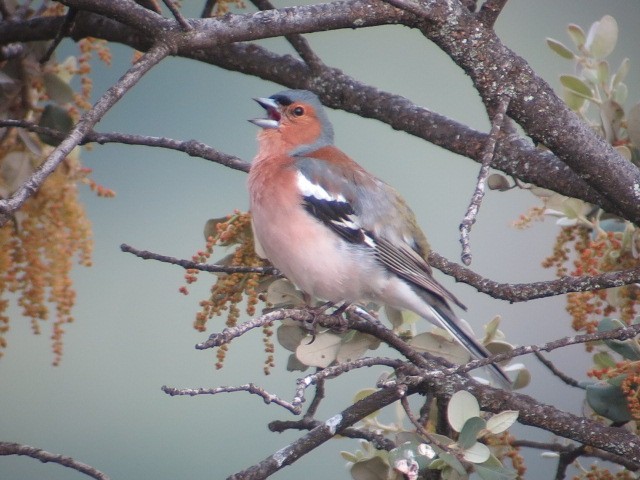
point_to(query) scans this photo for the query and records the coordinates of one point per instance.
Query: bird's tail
(446, 319)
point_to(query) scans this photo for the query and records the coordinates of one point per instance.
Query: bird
(335, 230)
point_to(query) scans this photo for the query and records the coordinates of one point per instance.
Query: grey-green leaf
(290, 336)
(602, 37)
(608, 401)
(577, 34)
(371, 469)
(58, 90)
(477, 453)
(573, 100)
(560, 49)
(57, 118)
(452, 461)
(621, 73)
(629, 349)
(502, 421)
(322, 352)
(603, 360)
(295, 365)
(470, 431)
(497, 181)
(462, 406)
(576, 85)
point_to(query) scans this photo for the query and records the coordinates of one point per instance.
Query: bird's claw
(318, 314)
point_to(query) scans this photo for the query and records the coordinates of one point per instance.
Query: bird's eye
(298, 111)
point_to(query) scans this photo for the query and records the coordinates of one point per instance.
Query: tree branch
(188, 264)
(495, 69)
(7, 448)
(379, 441)
(190, 147)
(175, 11)
(268, 398)
(478, 194)
(560, 448)
(318, 435)
(515, 156)
(623, 333)
(572, 382)
(489, 12)
(522, 292)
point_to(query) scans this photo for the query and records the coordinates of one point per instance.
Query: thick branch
(515, 156)
(378, 440)
(318, 435)
(495, 69)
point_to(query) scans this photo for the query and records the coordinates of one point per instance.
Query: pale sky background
(103, 404)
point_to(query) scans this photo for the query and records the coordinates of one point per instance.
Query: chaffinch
(333, 229)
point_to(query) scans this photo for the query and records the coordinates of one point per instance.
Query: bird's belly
(318, 261)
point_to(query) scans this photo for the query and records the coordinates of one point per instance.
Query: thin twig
(295, 406)
(87, 121)
(249, 387)
(317, 398)
(478, 194)
(623, 333)
(229, 333)
(423, 432)
(297, 41)
(560, 448)
(7, 448)
(63, 32)
(175, 11)
(566, 459)
(336, 370)
(190, 265)
(190, 147)
(513, 292)
(207, 11)
(4, 11)
(572, 382)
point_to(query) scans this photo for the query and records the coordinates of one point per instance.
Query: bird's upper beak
(273, 114)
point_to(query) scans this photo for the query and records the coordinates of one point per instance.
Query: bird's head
(297, 119)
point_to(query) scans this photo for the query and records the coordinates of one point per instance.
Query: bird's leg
(317, 312)
(337, 314)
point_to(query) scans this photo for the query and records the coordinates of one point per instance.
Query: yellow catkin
(230, 290)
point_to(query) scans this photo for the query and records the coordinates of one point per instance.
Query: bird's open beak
(273, 115)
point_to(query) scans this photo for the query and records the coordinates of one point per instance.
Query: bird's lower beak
(273, 115)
